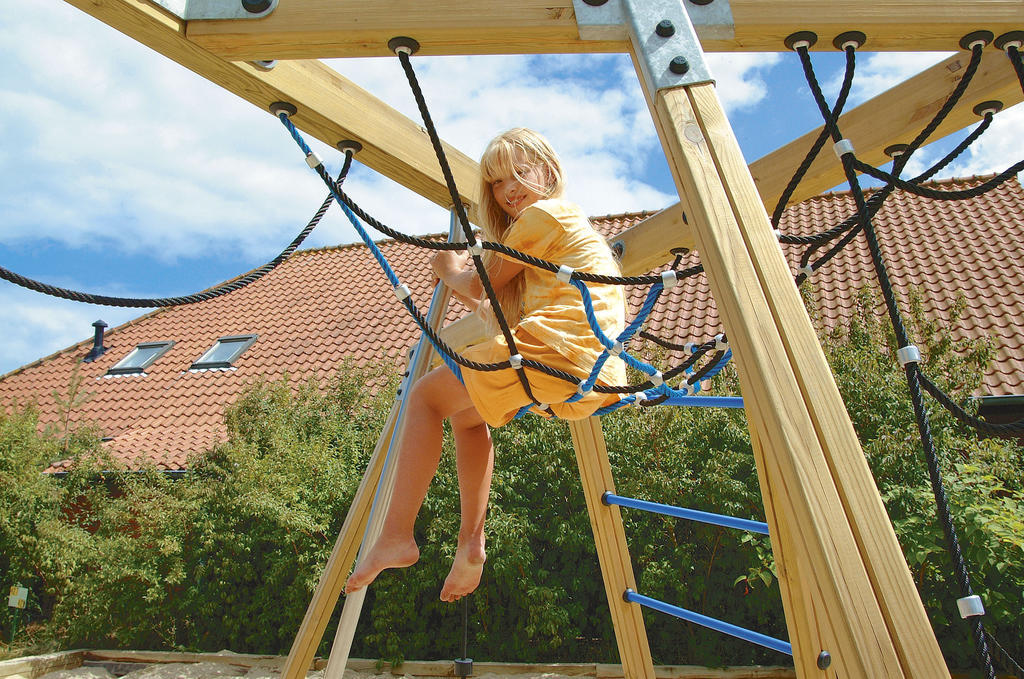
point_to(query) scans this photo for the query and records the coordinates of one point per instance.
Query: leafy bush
(228, 556)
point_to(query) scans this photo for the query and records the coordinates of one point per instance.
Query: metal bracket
(663, 33)
(190, 10)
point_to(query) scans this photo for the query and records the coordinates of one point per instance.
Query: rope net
(839, 236)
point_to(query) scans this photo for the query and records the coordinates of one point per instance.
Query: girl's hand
(448, 263)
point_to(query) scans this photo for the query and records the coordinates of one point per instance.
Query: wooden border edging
(32, 667)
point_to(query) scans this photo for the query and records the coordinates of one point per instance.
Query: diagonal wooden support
(849, 591)
(365, 517)
(612, 550)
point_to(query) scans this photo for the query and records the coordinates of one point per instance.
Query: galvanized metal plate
(713, 20)
(190, 10)
(638, 20)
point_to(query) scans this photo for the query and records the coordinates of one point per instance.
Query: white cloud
(109, 145)
(739, 77)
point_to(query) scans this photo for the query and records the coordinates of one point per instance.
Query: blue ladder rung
(692, 514)
(711, 623)
(704, 401)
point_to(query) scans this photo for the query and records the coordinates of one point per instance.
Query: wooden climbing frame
(845, 586)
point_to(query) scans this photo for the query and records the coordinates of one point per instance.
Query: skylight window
(224, 352)
(140, 358)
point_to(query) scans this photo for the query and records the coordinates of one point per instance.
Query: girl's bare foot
(384, 554)
(467, 568)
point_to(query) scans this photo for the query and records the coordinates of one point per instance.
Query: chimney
(97, 343)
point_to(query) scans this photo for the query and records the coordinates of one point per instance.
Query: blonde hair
(511, 154)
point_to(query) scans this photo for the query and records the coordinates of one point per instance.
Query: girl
(521, 206)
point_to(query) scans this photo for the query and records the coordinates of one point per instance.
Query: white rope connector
(402, 292)
(516, 360)
(806, 270)
(687, 389)
(544, 406)
(313, 160)
(475, 250)
(801, 43)
(640, 399)
(583, 389)
(778, 234)
(564, 273)
(720, 342)
(615, 349)
(657, 379)
(690, 347)
(908, 354)
(970, 606)
(669, 279)
(842, 147)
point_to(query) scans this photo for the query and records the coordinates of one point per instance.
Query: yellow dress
(553, 329)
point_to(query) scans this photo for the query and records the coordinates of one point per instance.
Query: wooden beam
(317, 29)
(39, 665)
(612, 549)
(855, 586)
(331, 108)
(893, 117)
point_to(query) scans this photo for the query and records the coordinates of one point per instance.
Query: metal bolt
(665, 29)
(595, 3)
(256, 6)
(702, 2)
(824, 660)
(679, 66)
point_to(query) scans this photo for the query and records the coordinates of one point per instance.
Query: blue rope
(675, 396)
(374, 250)
(624, 337)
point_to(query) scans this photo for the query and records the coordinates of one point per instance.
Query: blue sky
(126, 174)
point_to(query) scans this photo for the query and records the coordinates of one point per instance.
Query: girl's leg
(475, 463)
(434, 397)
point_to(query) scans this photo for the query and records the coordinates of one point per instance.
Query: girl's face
(516, 193)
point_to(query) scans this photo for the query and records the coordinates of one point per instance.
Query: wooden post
(374, 489)
(612, 550)
(847, 589)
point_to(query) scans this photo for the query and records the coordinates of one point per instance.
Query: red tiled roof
(323, 305)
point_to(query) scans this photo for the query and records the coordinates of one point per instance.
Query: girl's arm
(456, 270)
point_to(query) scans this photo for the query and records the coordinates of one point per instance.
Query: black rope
(1010, 661)
(460, 209)
(936, 194)
(1018, 65)
(851, 225)
(1008, 429)
(816, 147)
(911, 368)
(403, 57)
(220, 290)
(899, 162)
